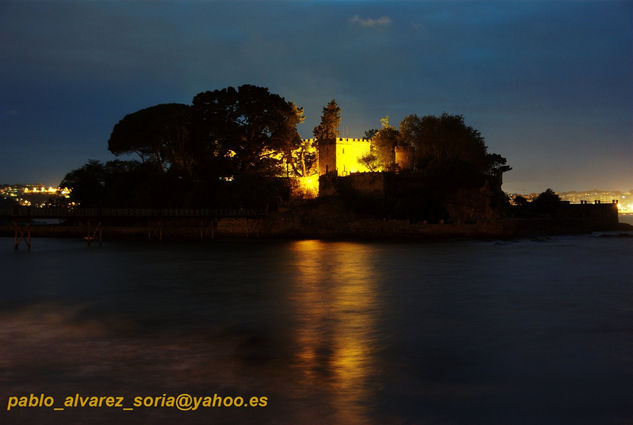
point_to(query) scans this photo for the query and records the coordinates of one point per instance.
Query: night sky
(548, 84)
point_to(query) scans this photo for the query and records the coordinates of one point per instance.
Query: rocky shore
(318, 224)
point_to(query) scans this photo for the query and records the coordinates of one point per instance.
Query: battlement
(351, 140)
(342, 155)
(341, 140)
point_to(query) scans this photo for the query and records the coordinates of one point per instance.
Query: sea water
(462, 332)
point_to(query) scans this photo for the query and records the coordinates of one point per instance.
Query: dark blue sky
(548, 84)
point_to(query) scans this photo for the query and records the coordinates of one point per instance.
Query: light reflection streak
(335, 306)
(320, 368)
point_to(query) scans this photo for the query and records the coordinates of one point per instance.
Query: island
(232, 164)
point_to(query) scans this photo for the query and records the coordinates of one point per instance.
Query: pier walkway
(96, 213)
(91, 220)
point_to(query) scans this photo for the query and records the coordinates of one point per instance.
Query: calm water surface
(523, 332)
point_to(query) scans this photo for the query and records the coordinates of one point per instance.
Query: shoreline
(358, 230)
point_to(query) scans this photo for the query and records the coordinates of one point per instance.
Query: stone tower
(342, 156)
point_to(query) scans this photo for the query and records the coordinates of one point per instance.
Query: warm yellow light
(341, 317)
(348, 154)
(308, 186)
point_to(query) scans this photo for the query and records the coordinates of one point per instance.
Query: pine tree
(330, 121)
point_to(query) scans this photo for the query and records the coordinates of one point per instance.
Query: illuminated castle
(342, 155)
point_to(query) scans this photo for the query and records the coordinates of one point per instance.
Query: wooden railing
(59, 212)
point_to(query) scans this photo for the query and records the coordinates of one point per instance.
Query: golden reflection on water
(321, 373)
(334, 298)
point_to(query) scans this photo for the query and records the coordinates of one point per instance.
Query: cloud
(370, 22)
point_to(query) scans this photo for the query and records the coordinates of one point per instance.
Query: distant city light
(35, 195)
(624, 199)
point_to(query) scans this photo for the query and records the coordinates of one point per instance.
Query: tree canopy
(218, 151)
(160, 133)
(330, 121)
(245, 130)
(547, 201)
(87, 183)
(231, 144)
(369, 134)
(121, 184)
(447, 141)
(384, 143)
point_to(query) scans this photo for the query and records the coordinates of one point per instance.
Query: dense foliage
(244, 131)
(223, 150)
(447, 142)
(160, 134)
(229, 147)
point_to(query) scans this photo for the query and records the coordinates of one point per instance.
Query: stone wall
(342, 156)
(360, 183)
(326, 157)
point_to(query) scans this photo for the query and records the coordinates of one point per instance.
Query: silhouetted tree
(304, 160)
(247, 130)
(132, 184)
(87, 183)
(370, 161)
(126, 184)
(330, 121)
(369, 134)
(450, 158)
(496, 165)
(159, 133)
(547, 202)
(520, 201)
(549, 196)
(448, 142)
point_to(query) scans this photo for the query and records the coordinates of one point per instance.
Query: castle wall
(598, 215)
(326, 158)
(342, 156)
(368, 183)
(348, 154)
(359, 183)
